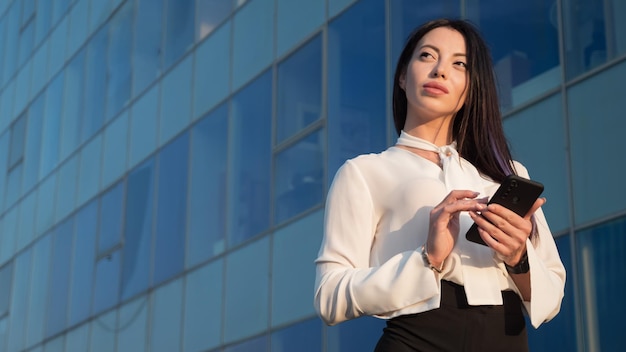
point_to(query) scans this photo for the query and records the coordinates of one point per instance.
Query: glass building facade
(164, 163)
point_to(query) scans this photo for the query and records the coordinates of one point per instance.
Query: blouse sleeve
(547, 273)
(346, 286)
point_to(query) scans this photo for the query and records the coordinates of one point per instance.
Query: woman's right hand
(444, 223)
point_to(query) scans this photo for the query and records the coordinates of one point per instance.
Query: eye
(426, 54)
(461, 64)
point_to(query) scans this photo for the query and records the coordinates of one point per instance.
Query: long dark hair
(477, 126)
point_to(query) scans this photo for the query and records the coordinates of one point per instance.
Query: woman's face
(436, 79)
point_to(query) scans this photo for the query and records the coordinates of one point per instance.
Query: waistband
(453, 294)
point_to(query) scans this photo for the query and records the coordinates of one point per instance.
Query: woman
(394, 244)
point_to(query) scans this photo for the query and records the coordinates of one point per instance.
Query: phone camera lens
(513, 184)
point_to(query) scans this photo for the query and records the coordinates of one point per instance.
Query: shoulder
(520, 169)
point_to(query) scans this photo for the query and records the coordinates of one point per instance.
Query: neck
(437, 131)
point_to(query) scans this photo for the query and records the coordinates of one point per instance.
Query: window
(179, 32)
(250, 143)
(526, 55)
(208, 184)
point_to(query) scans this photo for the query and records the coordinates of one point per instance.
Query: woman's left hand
(506, 232)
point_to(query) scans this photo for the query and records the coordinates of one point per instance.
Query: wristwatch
(522, 266)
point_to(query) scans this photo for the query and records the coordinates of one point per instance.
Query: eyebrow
(437, 50)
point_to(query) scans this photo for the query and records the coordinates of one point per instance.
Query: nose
(439, 71)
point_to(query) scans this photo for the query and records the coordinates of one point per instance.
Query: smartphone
(515, 193)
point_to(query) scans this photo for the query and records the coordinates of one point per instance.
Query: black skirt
(458, 327)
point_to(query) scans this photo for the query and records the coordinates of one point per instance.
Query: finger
(538, 204)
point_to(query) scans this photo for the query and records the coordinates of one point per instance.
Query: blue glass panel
(78, 339)
(299, 182)
(66, 188)
(147, 44)
(336, 6)
(526, 55)
(585, 35)
(95, 84)
(14, 184)
(115, 151)
(73, 104)
(166, 318)
(210, 13)
(169, 240)
(594, 131)
(6, 275)
(253, 40)
(79, 26)
(257, 344)
(6, 105)
(12, 23)
(84, 258)
(212, 70)
(111, 211)
(58, 43)
(251, 152)
(39, 75)
(28, 206)
(296, 20)
(133, 323)
(4, 155)
(58, 291)
(299, 91)
(22, 87)
(103, 332)
(247, 268)
(42, 19)
(546, 157)
(600, 264)
(46, 194)
(356, 83)
(99, 11)
(56, 345)
(32, 149)
(294, 249)
(59, 9)
(405, 17)
(18, 134)
(564, 324)
(90, 169)
(203, 298)
(39, 286)
(8, 234)
(119, 65)
(179, 33)
(51, 128)
(138, 229)
(106, 290)
(27, 37)
(355, 335)
(19, 301)
(176, 100)
(143, 126)
(302, 337)
(207, 194)
(4, 332)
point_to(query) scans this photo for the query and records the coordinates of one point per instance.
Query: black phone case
(515, 193)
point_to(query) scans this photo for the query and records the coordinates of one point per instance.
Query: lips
(436, 88)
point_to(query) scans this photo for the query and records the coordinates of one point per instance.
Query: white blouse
(377, 218)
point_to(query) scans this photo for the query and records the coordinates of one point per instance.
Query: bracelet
(522, 267)
(427, 262)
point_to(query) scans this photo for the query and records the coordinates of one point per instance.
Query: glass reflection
(83, 260)
(526, 55)
(302, 337)
(600, 256)
(32, 149)
(179, 33)
(119, 66)
(207, 194)
(111, 210)
(355, 335)
(39, 289)
(51, 129)
(138, 229)
(19, 301)
(299, 90)
(106, 291)
(95, 84)
(356, 83)
(210, 14)
(147, 44)
(251, 152)
(171, 214)
(299, 182)
(58, 292)
(258, 344)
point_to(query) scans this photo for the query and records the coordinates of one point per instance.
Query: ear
(402, 81)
